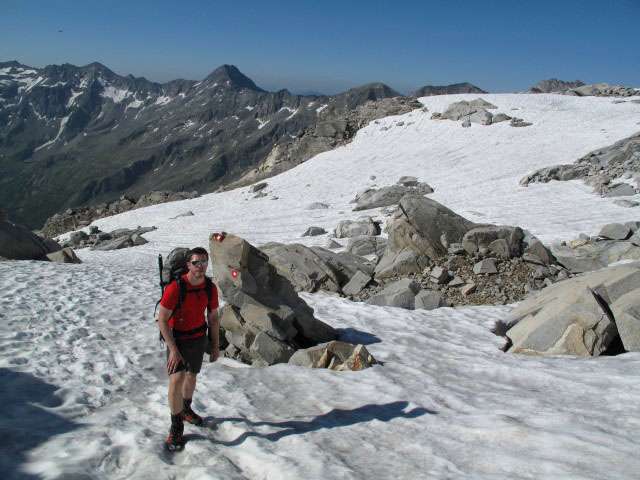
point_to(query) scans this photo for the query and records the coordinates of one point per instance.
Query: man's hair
(197, 251)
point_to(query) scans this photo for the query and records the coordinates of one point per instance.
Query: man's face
(198, 265)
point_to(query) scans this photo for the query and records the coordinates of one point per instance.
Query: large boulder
(351, 228)
(400, 294)
(388, 196)
(420, 223)
(262, 301)
(367, 245)
(576, 324)
(626, 311)
(554, 320)
(486, 236)
(18, 243)
(400, 264)
(334, 355)
(311, 269)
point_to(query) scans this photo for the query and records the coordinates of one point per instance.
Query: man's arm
(164, 314)
(214, 328)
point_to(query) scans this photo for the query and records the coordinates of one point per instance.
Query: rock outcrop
(334, 355)
(266, 321)
(18, 243)
(75, 218)
(553, 85)
(334, 127)
(429, 90)
(615, 242)
(606, 169)
(115, 240)
(476, 111)
(579, 316)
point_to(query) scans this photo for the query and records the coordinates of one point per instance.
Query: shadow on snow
(336, 418)
(25, 421)
(351, 335)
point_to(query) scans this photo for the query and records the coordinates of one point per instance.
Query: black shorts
(192, 350)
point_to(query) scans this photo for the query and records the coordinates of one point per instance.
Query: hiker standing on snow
(184, 330)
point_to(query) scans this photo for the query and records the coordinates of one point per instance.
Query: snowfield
(84, 387)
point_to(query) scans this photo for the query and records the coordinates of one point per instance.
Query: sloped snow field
(82, 370)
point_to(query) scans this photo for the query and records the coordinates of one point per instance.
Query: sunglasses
(199, 263)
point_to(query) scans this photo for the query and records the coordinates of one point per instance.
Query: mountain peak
(234, 77)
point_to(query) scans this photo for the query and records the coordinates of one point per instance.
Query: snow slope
(82, 369)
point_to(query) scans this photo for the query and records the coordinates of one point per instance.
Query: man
(184, 331)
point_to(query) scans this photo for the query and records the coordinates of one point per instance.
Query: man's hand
(215, 353)
(175, 358)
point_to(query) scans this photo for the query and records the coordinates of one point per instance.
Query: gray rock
(439, 275)
(18, 243)
(306, 271)
(408, 181)
(138, 240)
(257, 187)
(248, 280)
(635, 238)
(500, 117)
(367, 245)
(419, 224)
(269, 350)
(619, 190)
(394, 264)
(356, 284)
(484, 236)
(469, 288)
(481, 103)
(500, 247)
(466, 124)
(115, 244)
(634, 226)
(387, 196)
(459, 111)
(350, 228)
(626, 311)
(77, 237)
(398, 294)
(317, 206)
(626, 203)
(332, 244)
(66, 255)
(577, 324)
(609, 283)
(615, 231)
(482, 117)
(334, 355)
(577, 261)
(429, 300)
(533, 246)
(486, 266)
(314, 232)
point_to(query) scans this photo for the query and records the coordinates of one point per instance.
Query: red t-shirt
(194, 306)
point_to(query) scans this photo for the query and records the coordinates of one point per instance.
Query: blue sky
(331, 46)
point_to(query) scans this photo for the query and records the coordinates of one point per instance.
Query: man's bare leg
(176, 388)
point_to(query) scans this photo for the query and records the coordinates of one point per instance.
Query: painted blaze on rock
(266, 321)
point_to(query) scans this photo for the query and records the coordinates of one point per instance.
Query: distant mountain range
(72, 135)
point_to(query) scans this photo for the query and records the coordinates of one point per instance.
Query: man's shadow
(334, 419)
(25, 421)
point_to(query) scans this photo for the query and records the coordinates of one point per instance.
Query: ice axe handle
(160, 271)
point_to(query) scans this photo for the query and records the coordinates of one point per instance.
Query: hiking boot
(175, 441)
(189, 415)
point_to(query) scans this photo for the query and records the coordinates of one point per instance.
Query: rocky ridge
(334, 127)
(613, 171)
(108, 136)
(76, 218)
